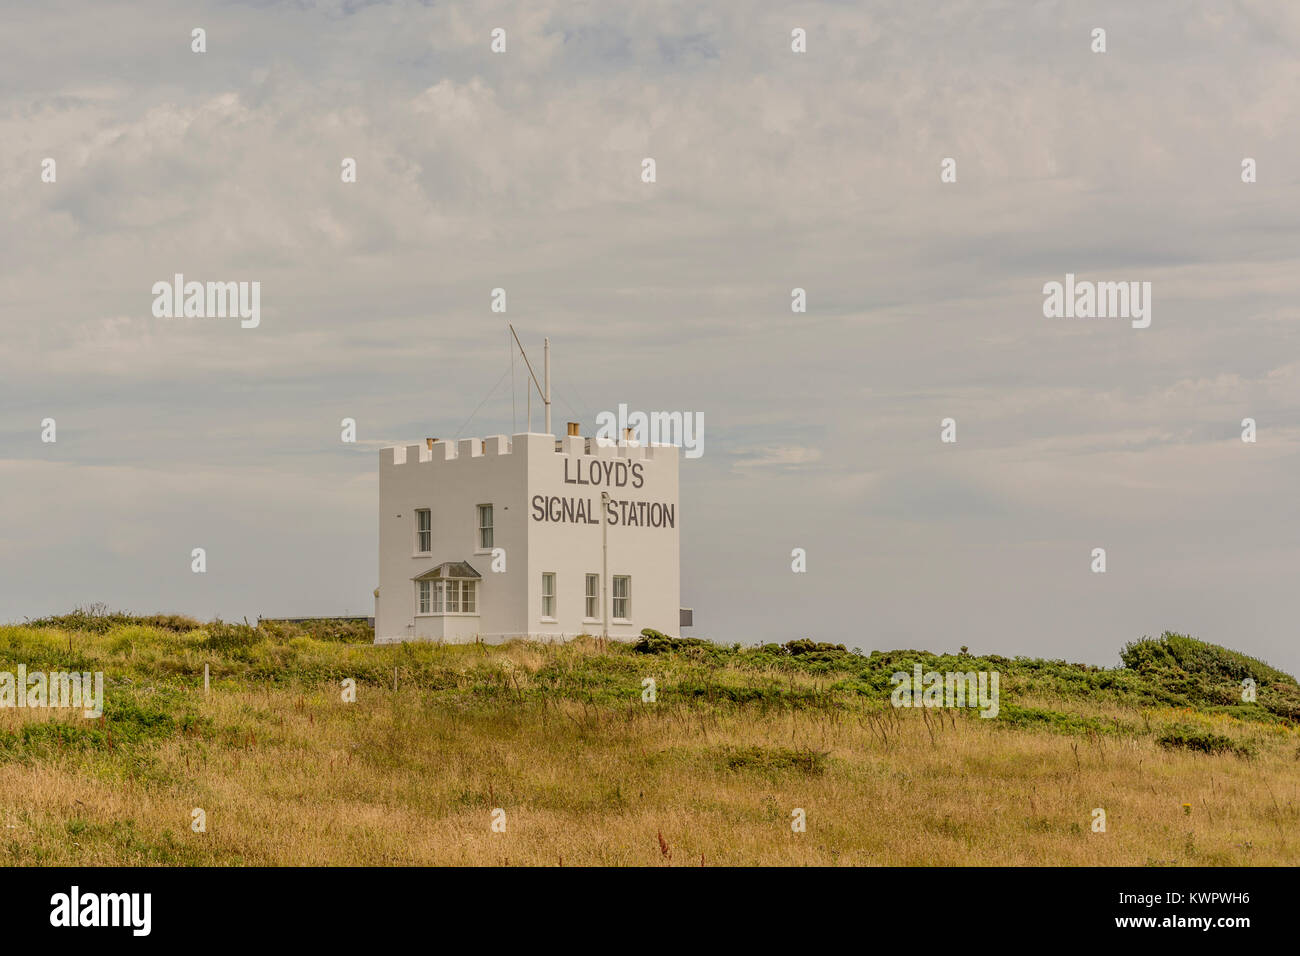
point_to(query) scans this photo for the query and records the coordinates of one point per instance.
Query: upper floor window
(423, 530)
(485, 527)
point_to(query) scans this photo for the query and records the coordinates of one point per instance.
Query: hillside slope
(585, 771)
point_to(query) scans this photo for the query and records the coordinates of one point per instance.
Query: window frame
(552, 596)
(592, 598)
(421, 513)
(440, 591)
(485, 542)
(626, 598)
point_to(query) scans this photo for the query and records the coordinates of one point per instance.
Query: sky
(775, 170)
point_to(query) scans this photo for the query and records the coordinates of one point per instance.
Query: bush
(775, 760)
(1195, 657)
(1198, 674)
(805, 646)
(1184, 737)
(321, 628)
(656, 642)
(97, 619)
(221, 636)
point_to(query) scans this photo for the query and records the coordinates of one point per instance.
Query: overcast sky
(775, 170)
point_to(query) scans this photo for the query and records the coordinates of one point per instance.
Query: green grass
(561, 736)
(169, 652)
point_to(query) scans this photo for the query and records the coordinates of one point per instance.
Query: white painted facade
(546, 511)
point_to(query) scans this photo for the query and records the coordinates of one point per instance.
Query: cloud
(775, 170)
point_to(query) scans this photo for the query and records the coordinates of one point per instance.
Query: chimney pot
(575, 428)
(429, 442)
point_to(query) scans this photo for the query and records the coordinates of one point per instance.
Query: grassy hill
(586, 772)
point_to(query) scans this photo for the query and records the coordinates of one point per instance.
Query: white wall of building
(528, 482)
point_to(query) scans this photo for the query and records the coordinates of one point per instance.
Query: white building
(502, 537)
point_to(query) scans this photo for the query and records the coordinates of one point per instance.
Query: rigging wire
(581, 417)
(480, 404)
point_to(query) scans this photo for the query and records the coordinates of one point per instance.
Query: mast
(545, 393)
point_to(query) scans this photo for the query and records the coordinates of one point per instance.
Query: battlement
(497, 446)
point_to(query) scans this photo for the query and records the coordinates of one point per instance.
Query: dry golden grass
(295, 776)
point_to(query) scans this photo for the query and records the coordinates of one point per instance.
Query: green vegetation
(1209, 677)
(1191, 738)
(770, 760)
(562, 737)
(169, 651)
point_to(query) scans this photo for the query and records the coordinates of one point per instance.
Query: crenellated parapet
(436, 452)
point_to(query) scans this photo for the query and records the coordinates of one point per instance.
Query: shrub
(805, 646)
(97, 619)
(656, 642)
(1198, 658)
(1184, 737)
(775, 759)
(220, 636)
(1185, 670)
(321, 628)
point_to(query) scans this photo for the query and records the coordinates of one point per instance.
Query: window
(452, 596)
(548, 594)
(485, 527)
(593, 597)
(622, 597)
(423, 530)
